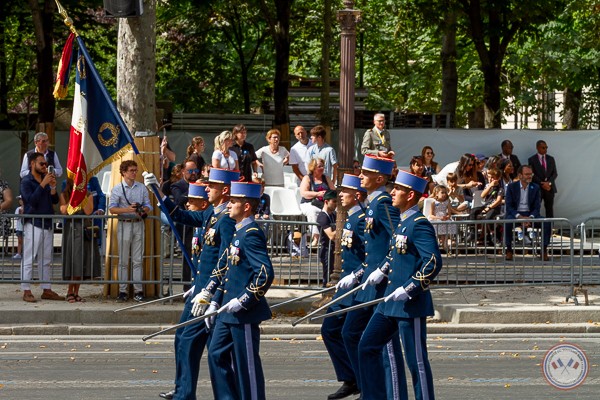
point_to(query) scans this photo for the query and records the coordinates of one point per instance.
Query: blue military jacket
(248, 276)
(413, 262)
(353, 249)
(380, 220)
(217, 230)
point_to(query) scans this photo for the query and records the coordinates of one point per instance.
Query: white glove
(233, 306)
(375, 278)
(186, 294)
(201, 301)
(346, 282)
(397, 295)
(150, 179)
(210, 321)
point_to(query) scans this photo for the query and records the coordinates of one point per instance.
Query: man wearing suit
(353, 255)
(412, 264)
(381, 219)
(215, 233)
(507, 153)
(523, 201)
(235, 367)
(544, 174)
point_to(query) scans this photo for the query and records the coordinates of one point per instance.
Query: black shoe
(139, 297)
(347, 389)
(167, 395)
(122, 297)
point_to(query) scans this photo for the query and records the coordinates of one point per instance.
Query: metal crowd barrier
(475, 253)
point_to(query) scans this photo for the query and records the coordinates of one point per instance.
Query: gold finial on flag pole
(67, 20)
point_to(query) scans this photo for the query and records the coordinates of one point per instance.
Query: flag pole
(69, 23)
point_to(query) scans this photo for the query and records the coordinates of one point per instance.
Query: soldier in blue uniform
(411, 265)
(241, 289)
(215, 233)
(353, 255)
(380, 221)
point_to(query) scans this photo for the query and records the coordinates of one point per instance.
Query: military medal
(234, 253)
(209, 237)
(400, 241)
(347, 237)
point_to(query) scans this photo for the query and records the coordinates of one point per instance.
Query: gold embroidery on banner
(114, 132)
(83, 184)
(81, 67)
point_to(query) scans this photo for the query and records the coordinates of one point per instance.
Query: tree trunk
(325, 112)
(279, 25)
(136, 70)
(491, 97)
(43, 19)
(3, 69)
(572, 104)
(136, 74)
(449, 72)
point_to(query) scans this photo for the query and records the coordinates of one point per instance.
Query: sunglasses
(193, 171)
(43, 164)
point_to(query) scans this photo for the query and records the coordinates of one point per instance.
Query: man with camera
(130, 201)
(38, 191)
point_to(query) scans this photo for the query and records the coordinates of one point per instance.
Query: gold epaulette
(251, 229)
(418, 218)
(361, 215)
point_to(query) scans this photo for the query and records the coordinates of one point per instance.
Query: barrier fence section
(474, 253)
(589, 252)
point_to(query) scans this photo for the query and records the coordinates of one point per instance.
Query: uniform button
(366, 254)
(226, 279)
(366, 242)
(390, 270)
(198, 273)
(389, 282)
(224, 291)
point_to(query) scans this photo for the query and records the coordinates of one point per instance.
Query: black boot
(347, 389)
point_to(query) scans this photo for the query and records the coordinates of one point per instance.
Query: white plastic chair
(106, 183)
(427, 203)
(284, 203)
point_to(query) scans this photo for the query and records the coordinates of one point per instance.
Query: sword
(203, 317)
(149, 302)
(188, 322)
(350, 292)
(306, 296)
(345, 310)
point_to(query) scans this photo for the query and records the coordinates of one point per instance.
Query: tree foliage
(230, 56)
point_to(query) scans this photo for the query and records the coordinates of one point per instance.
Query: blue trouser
(189, 346)
(331, 331)
(354, 326)
(235, 368)
(546, 228)
(185, 315)
(413, 332)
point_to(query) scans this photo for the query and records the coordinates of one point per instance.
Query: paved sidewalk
(467, 310)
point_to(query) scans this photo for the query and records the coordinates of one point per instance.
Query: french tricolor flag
(96, 137)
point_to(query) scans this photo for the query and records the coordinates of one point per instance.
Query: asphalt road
(123, 367)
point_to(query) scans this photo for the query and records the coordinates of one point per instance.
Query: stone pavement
(521, 309)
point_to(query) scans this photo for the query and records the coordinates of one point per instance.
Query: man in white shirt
(320, 149)
(299, 158)
(41, 146)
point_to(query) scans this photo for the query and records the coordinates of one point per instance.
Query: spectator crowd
(475, 187)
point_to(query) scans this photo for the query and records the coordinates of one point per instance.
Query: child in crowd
(297, 244)
(441, 211)
(457, 200)
(263, 211)
(492, 196)
(19, 230)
